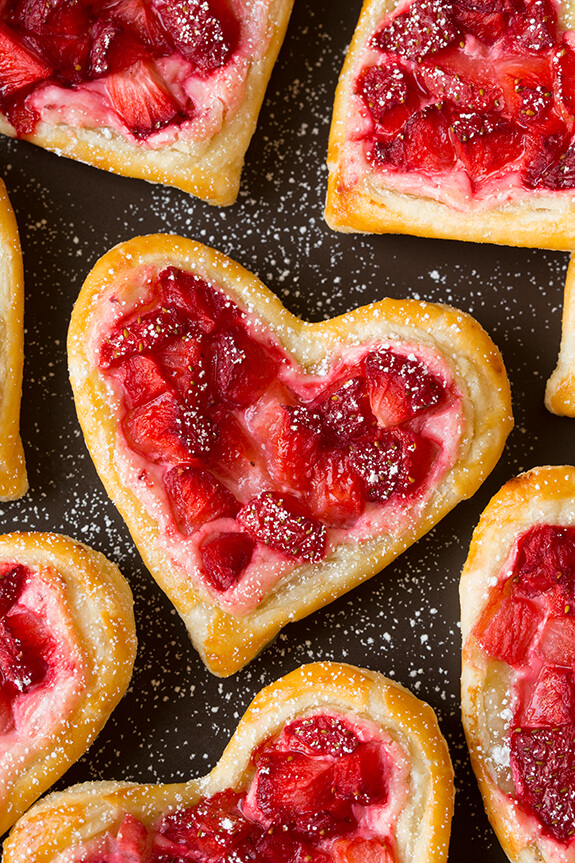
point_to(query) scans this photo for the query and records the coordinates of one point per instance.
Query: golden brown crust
(227, 642)
(96, 603)
(423, 826)
(210, 168)
(560, 389)
(543, 495)
(13, 479)
(362, 200)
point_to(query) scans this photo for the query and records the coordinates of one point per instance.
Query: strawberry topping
(23, 646)
(204, 403)
(529, 623)
(118, 42)
(481, 87)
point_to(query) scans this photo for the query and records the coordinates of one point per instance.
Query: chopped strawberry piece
(320, 735)
(335, 492)
(400, 387)
(346, 413)
(241, 367)
(395, 462)
(360, 850)
(208, 831)
(506, 629)
(145, 333)
(425, 28)
(532, 28)
(233, 454)
(186, 293)
(113, 48)
(362, 776)
(20, 66)
(276, 521)
(11, 586)
(133, 840)
(486, 26)
(390, 93)
(546, 559)
(141, 379)
(552, 170)
(142, 100)
(543, 764)
(486, 143)
(197, 496)
(139, 18)
(182, 362)
(552, 701)
(164, 432)
(225, 557)
(556, 643)
(563, 63)
(298, 791)
(206, 32)
(292, 437)
(278, 847)
(424, 143)
(21, 663)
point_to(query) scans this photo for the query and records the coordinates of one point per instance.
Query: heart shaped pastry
(456, 119)
(166, 91)
(13, 479)
(67, 647)
(265, 465)
(331, 763)
(518, 686)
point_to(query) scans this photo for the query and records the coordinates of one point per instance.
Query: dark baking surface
(176, 717)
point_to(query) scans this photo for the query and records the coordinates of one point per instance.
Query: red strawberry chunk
(320, 735)
(20, 66)
(532, 28)
(279, 847)
(506, 629)
(276, 521)
(142, 100)
(467, 81)
(225, 557)
(546, 559)
(400, 387)
(241, 367)
(291, 436)
(486, 143)
(207, 831)
(21, 662)
(187, 293)
(486, 26)
(425, 28)
(554, 168)
(183, 364)
(206, 32)
(395, 462)
(335, 492)
(298, 791)
(346, 413)
(552, 701)
(424, 144)
(163, 432)
(197, 497)
(557, 640)
(233, 454)
(139, 18)
(563, 62)
(11, 586)
(543, 764)
(147, 332)
(113, 48)
(133, 841)
(390, 93)
(362, 776)
(141, 379)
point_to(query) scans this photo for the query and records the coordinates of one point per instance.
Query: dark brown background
(176, 718)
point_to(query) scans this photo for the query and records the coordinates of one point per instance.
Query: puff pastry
(518, 651)
(67, 647)
(560, 389)
(438, 130)
(212, 413)
(359, 711)
(150, 94)
(13, 478)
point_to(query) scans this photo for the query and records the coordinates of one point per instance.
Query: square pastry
(455, 119)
